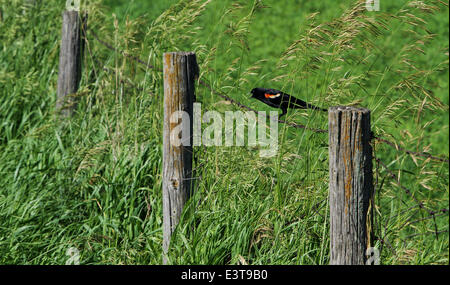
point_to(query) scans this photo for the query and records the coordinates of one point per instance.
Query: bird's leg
(283, 113)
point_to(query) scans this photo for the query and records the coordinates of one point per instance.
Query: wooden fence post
(350, 158)
(180, 72)
(70, 56)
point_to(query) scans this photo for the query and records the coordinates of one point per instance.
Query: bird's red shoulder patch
(271, 96)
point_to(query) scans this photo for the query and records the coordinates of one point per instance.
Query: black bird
(278, 99)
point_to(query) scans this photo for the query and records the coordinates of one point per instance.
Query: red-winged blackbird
(278, 99)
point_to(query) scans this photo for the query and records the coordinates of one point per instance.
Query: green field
(93, 182)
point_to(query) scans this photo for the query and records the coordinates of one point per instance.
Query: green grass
(94, 182)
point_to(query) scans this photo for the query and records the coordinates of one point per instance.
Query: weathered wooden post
(180, 72)
(350, 158)
(70, 56)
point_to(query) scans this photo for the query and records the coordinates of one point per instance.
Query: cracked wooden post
(180, 72)
(70, 56)
(351, 187)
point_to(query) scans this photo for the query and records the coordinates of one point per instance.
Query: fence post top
(71, 12)
(348, 109)
(186, 53)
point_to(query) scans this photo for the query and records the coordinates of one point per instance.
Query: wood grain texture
(180, 72)
(70, 57)
(351, 186)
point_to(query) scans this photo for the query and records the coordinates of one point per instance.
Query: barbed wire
(418, 234)
(408, 191)
(110, 47)
(399, 148)
(442, 212)
(432, 215)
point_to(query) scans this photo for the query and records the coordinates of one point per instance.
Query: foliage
(94, 182)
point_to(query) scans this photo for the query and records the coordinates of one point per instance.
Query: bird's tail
(317, 108)
(310, 106)
(300, 104)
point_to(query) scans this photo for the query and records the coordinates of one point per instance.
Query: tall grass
(94, 182)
